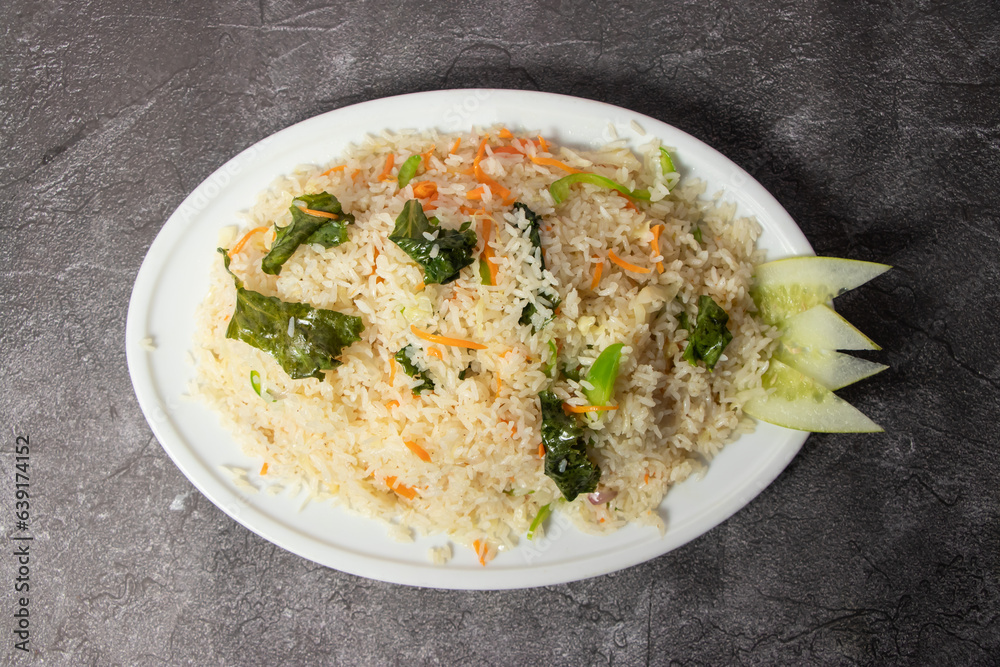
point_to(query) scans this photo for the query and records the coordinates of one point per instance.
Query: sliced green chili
(543, 513)
(666, 164)
(255, 381)
(602, 375)
(560, 188)
(408, 170)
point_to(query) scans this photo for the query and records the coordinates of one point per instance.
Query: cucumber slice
(822, 327)
(834, 370)
(801, 403)
(788, 286)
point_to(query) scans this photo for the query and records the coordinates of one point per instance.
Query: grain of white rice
(343, 437)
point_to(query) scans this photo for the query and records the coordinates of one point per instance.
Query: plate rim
(425, 574)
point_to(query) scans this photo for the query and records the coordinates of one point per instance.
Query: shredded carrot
(263, 468)
(499, 383)
(389, 481)
(427, 156)
(419, 286)
(628, 202)
(468, 210)
(480, 152)
(656, 246)
(598, 270)
(435, 352)
(446, 340)
(476, 193)
(354, 175)
(475, 545)
(405, 491)
(646, 480)
(392, 404)
(454, 146)
(418, 450)
(509, 150)
(333, 169)
(481, 176)
(587, 408)
(378, 279)
(481, 551)
(626, 265)
(424, 189)
(601, 521)
(392, 371)
(246, 237)
(389, 162)
(505, 133)
(495, 188)
(544, 145)
(541, 450)
(552, 162)
(487, 253)
(318, 214)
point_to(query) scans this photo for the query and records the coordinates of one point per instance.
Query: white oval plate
(173, 280)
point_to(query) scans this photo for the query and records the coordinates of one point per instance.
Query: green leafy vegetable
(306, 228)
(709, 336)
(602, 375)
(410, 368)
(304, 340)
(566, 461)
(666, 164)
(408, 170)
(560, 188)
(534, 224)
(696, 233)
(543, 513)
(574, 373)
(454, 247)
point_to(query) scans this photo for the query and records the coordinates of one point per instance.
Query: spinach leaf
(574, 373)
(710, 336)
(454, 247)
(552, 300)
(566, 461)
(403, 359)
(307, 228)
(306, 347)
(408, 170)
(534, 223)
(696, 233)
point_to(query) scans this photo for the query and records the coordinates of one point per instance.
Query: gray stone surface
(875, 124)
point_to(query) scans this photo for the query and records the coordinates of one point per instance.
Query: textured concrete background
(875, 124)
